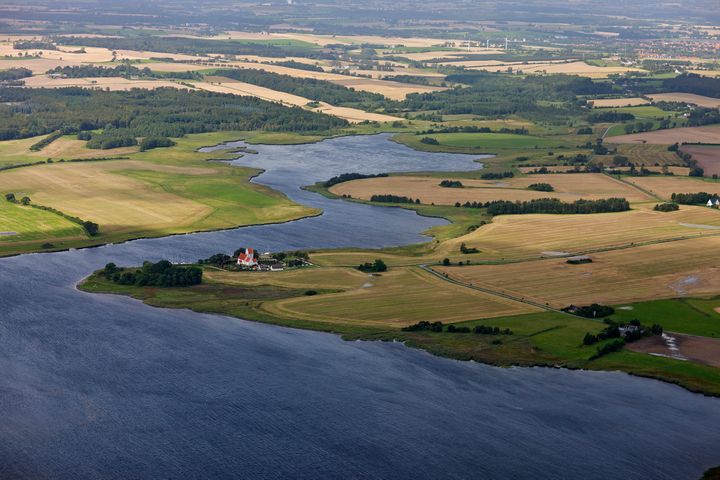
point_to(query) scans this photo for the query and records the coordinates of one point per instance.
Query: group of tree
(346, 177)
(496, 175)
(389, 198)
(451, 184)
(160, 274)
(164, 112)
(148, 143)
(377, 266)
(610, 117)
(699, 198)
(666, 207)
(438, 327)
(590, 311)
(620, 334)
(693, 83)
(474, 129)
(541, 187)
(34, 45)
(554, 206)
(14, 74)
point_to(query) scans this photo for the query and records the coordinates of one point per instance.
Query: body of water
(100, 386)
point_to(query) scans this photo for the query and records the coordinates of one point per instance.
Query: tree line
(346, 177)
(555, 206)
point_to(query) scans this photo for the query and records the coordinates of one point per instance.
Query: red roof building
(246, 258)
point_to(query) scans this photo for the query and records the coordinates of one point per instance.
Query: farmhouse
(716, 203)
(247, 258)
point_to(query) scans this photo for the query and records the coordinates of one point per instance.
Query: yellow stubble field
(567, 188)
(683, 268)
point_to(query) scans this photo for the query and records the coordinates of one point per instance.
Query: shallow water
(97, 386)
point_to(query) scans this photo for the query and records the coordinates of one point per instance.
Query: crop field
(708, 158)
(511, 237)
(396, 298)
(664, 187)
(67, 147)
(20, 225)
(103, 83)
(427, 189)
(225, 85)
(683, 268)
(706, 134)
(699, 100)
(618, 102)
(390, 89)
(646, 154)
(172, 192)
(645, 112)
(570, 68)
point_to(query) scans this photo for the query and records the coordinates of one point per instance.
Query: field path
(636, 187)
(493, 292)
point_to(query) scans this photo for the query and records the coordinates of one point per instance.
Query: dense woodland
(500, 95)
(14, 74)
(165, 112)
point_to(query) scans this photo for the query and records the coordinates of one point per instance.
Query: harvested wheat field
(226, 85)
(682, 268)
(536, 236)
(618, 102)
(70, 54)
(102, 83)
(664, 186)
(567, 188)
(708, 158)
(686, 98)
(93, 191)
(707, 134)
(399, 297)
(570, 68)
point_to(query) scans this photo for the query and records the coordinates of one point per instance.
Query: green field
(693, 316)
(32, 224)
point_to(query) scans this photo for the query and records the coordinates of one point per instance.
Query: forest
(165, 112)
(501, 95)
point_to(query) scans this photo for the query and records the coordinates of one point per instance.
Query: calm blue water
(95, 386)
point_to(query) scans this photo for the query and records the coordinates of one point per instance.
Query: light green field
(33, 224)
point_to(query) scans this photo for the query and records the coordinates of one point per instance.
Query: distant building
(246, 258)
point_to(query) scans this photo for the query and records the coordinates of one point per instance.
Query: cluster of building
(250, 259)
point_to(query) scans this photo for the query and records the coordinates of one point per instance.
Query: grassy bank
(358, 306)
